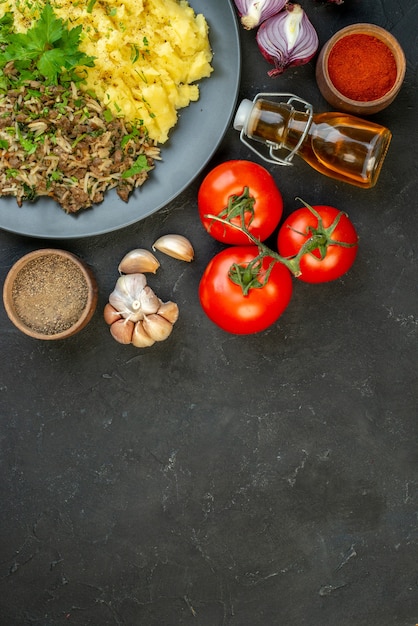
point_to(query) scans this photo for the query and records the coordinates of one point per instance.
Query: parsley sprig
(140, 165)
(49, 50)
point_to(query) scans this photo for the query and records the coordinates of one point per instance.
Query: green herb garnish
(48, 50)
(128, 137)
(140, 165)
(90, 6)
(134, 53)
(28, 145)
(6, 27)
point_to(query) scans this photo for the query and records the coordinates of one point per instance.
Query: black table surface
(218, 479)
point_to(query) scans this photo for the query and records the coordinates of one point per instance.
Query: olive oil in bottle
(338, 145)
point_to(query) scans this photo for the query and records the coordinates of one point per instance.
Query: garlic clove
(110, 314)
(169, 310)
(122, 331)
(176, 246)
(140, 337)
(150, 303)
(157, 327)
(139, 261)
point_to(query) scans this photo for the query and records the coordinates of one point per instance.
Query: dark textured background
(219, 480)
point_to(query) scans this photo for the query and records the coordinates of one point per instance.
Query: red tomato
(225, 303)
(337, 259)
(231, 179)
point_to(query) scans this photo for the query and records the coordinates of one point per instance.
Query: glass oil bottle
(339, 145)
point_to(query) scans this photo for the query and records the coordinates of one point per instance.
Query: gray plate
(192, 143)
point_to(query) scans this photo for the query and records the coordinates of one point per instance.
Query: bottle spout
(253, 117)
(242, 115)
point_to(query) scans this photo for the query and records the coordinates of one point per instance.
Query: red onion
(253, 12)
(287, 39)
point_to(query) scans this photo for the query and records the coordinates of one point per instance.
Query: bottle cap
(242, 114)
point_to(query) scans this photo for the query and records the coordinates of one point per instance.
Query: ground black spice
(49, 294)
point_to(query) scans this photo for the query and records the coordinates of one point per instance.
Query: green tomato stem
(238, 206)
(264, 251)
(320, 238)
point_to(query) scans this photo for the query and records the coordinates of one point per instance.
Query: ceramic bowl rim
(383, 35)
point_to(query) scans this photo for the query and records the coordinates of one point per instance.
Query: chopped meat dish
(62, 143)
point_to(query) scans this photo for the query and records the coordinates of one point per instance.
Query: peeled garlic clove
(138, 261)
(169, 310)
(175, 246)
(150, 303)
(110, 314)
(122, 330)
(140, 338)
(157, 327)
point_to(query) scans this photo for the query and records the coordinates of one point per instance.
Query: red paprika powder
(362, 67)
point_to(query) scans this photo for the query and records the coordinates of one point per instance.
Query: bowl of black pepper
(361, 69)
(50, 294)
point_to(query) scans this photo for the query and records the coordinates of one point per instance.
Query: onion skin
(287, 39)
(254, 12)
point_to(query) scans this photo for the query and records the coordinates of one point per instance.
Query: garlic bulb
(139, 261)
(136, 315)
(132, 298)
(176, 246)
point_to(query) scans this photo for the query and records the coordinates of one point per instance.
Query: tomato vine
(319, 239)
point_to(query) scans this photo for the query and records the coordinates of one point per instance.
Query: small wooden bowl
(50, 294)
(337, 99)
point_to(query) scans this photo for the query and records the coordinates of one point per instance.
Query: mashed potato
(149, 54)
